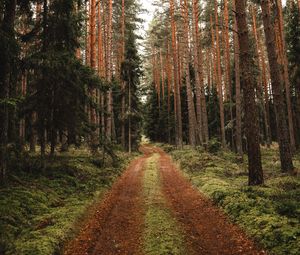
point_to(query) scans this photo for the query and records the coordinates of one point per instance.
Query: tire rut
(208, 230)
(116, 225)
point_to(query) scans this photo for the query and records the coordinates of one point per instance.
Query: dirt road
(118, 224)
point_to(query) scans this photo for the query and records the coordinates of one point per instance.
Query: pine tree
(248, 85)
(277, 88)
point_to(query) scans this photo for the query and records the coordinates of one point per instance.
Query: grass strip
(163, 235)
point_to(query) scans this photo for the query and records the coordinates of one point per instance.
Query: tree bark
(219, 77)
(278, 90)
(238, 101)
(286, 75)
(177, 100)
(5, 69)
(190, 99)
(262, 79)
(248, 85)
(123, 104)
(109, 124)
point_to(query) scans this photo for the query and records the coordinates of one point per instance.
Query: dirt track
(116, 227)
(209, 230)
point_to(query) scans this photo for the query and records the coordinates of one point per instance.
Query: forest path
(153, 186)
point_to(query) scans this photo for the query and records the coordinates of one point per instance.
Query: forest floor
(41, 208)
(154, 209)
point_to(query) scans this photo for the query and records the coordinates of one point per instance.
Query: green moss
(270, 213)
(162, 234)
(38, 209)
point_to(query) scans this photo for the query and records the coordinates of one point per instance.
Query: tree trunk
(248, 85)
(286, 75)
(278, 91)
(219, 77)
(5, 70)
(123, 104)
(93, 117)
(262, 78)
(109, 126)
(190, 99)
(177, 100)
(238, 135)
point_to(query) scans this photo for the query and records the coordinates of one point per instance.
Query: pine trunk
(123, 103)
(286, 75)
(190, 99)
(219, 77)
(248, 84)
(262, 80)
(238, 101)
(109, 126)
(177, 100)
(278, 90)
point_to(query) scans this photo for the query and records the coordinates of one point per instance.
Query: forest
(149, 127)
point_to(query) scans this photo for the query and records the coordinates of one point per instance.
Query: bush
(214, 146)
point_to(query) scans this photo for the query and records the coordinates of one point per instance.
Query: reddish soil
(116, 225)
(208, 230)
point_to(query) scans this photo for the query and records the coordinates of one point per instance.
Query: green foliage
(130, 73)
(214, 146)
(270, 213)
(38, 208)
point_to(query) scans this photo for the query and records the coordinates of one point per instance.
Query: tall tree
(8, 54)
(248, 86)
(193, 131)
(278, 89)
(219, 76)
(238, 101)
(284, 61)
(177, 100)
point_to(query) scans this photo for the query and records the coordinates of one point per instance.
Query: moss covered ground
(39, 208)
(162, 233)
(270, 213)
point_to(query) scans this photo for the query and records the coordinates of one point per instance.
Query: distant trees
(257, 101)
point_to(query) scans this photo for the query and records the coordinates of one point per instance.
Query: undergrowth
(39, 208)
(270, 214)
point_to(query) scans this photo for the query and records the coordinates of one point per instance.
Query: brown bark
(109, 126)
(197, 68)
(238, 101)
(286, 74)
(123, 140)
(190, 100)
(213, 52)
(227, 50)
(177, 100)
(227, 64)
(262, 78)
(7, 27)
(219, 77)
(278, 90)
(248, 85)
(93, 117)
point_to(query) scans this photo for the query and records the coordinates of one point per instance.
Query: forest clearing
(149, 127)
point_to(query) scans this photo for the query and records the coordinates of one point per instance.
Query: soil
(208, 230)
(117, 225)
